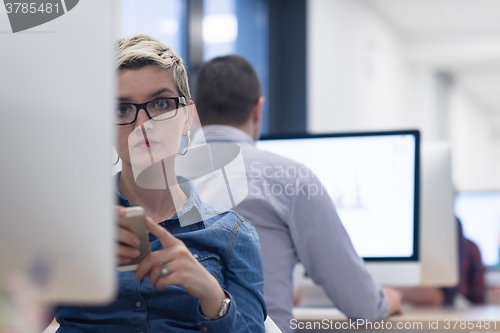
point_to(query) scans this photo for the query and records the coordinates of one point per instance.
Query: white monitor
(438, 226)
(57, 89)
(373, 180)
(479, 213)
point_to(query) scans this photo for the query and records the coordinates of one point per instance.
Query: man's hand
(422, 295)
(394, 299)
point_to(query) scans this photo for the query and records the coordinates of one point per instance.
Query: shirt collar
(226, 133)
(189, 213)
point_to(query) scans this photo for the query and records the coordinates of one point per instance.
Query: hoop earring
(187, 146)
(117, 156)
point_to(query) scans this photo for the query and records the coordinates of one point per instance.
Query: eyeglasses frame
(143, 106)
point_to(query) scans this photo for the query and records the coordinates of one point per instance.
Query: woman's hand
(183, 271)
(127, 243)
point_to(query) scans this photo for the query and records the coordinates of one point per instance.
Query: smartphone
(134, 221)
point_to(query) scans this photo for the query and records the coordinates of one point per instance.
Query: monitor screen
(58, 93)
(372, 179)
(479, 213)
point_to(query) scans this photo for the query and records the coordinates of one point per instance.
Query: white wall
(364, 75)
(476, 145)
(356, 77)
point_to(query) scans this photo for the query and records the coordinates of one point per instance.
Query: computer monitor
(438, 226)
(373, 180)
(479, 213)
(57, 89)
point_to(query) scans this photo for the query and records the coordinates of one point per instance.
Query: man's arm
(422, 295)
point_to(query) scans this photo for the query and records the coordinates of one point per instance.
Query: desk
(411, 316)
(472, 319)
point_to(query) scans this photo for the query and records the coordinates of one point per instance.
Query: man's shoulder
(276, 168)
(265, 158)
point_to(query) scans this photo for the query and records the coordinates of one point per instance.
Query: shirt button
(196, 257)
(138, 304)
(205, 329)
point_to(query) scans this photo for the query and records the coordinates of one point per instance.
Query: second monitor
(373, 179)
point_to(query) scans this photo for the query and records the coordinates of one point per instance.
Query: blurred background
(356, 65)
(362, 65)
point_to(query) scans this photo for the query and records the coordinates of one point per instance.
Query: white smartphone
(134, 221)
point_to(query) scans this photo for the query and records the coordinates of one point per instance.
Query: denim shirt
(225, 243)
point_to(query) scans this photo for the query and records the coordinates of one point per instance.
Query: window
(229, 27)
(239, 27)
(162, 19)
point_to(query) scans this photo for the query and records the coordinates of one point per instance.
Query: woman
(204, 276)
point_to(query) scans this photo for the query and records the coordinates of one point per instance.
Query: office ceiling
(420, 18)
(459, 36)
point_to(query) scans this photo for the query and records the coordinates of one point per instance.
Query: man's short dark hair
(227, 88)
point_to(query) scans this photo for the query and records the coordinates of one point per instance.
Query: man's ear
(257, 111)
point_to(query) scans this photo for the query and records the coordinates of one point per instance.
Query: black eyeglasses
(158, 110)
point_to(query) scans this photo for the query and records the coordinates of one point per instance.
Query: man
(471, 279)
(295, 224)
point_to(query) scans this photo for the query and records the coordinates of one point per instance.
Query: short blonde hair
(140, 50)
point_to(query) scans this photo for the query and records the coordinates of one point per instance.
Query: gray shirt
(296, 220)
